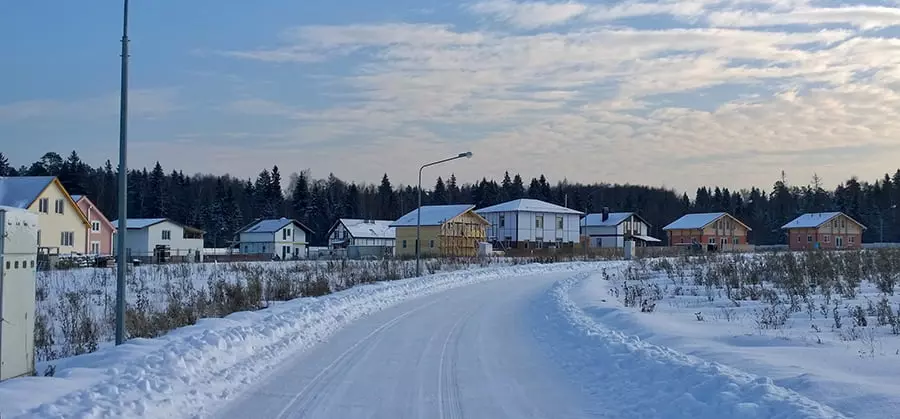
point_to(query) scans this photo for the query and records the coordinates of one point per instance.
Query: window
(735, 241)
(798, 239)
(843, 223)
(839, 241)
(284, 234)
(724, 241)
(502, 220)
(851, 239)
(39, 238)
(827, 239)
(16, 265)
(95, 226)
(44, 205)
(67, 238)
(712, 241)
(431, 244)
(95, 248)
(167, 234)
(682, 240)
(404, 244)
(809, 239)
(539, 221)
(60, 206)
(246, 248)
(559, 222)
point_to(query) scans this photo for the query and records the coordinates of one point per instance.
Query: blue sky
(679, 94)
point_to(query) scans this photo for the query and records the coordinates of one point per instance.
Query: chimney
(605, 214)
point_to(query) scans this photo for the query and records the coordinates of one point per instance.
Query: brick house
(717, 231)
(824, 230)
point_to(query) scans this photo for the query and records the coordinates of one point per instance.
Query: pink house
(99, 237)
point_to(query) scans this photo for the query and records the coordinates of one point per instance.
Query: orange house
(824, 230)
(719, 230)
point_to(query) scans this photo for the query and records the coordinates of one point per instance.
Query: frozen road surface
(471, 352)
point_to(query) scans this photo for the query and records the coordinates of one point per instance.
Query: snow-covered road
(468, 352)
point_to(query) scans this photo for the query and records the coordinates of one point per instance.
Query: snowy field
(76, 308)
(824, 325)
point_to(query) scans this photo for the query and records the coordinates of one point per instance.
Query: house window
(539, 221)
(735, 241)
(39, 238)
(682, 240)
(404, 244)
(843, 223)
(827, 239)
(60, 206)
(559, 222)
(95, 248)
(431, 244)
(809, 239)
(284, 234)
(798, 239)
(839, 241)
(167, 234)
(44, 205)
(246, 248)
(67, 238)
(851, 239)
(95, 226)
(724, 241)
(502, 220)
(712, 241)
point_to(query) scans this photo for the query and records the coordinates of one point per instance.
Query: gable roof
(528, 205)
(816, 219)
(367, 229)
(103, 219)
(615, 218)
(22, 191)
(696, 221)
(433, 215)
(273, 225)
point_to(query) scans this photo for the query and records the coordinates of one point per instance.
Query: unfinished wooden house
(446, 231)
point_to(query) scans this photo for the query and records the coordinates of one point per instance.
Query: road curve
(471, 352)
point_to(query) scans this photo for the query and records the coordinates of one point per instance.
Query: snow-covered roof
(369, 229)
(21, 191)
(432, 215)
(272, 226)
(528, 205)
(815, 219)
(615, 218)
(139, 223)
(692, 221)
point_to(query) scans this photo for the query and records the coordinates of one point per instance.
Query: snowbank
(634, 378)
(189, 368)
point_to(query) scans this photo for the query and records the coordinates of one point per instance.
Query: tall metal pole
(121, 259)
(467, 155)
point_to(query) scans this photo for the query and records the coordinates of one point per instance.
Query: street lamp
(467, 155)
(121, 260)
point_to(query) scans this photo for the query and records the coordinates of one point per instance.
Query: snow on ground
(852, 369)
(210, 361)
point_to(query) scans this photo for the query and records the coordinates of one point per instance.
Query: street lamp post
(121, 259)
(467, 155)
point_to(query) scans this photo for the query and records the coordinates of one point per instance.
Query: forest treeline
(222, 204)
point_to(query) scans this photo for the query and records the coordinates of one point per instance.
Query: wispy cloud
(529, 14)
(143, 103)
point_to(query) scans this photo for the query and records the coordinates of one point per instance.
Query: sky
(678, 94)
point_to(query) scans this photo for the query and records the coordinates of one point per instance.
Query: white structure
(613, 229)
(284, 238)
(363, 237)
(18, 254)
(161, 239)
(527, 223)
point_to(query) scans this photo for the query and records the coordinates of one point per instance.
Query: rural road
(471, 352)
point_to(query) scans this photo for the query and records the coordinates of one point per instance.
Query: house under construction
(446, 230)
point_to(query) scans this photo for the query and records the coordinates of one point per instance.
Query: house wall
(614, 236)
(826, 236)
(408, 235)
(255, 243)
(461, 235)
(177, 241)
(290, 242)
(506, 232)
(104, 236)
(52, 225)
(519, 226)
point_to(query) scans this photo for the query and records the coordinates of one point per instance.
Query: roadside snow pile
(178, 374)
(639, 379)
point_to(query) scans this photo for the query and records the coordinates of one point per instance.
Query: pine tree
(275, 195)
(300, 198)
(352, 205)
(157, 195)
(439, 194)
(546, 194)
(386, 200)
(263, 188)
(5, 168)
(453, 193)
(534, 190)
(518, 188)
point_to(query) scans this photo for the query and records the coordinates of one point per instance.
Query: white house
(524, 223)
(612, 229)
(363, 237)
(284, 237)
(162, 239)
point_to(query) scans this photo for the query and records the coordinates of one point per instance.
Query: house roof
(139, 223)
(272, 226)
(22, 191)
(615, 218)
(103, 219)
(369, 229)
(816, 219)
(528, 205)
(694, 221)
(432, 215)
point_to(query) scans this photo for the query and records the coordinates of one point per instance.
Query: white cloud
(582, 103)
(142, 103)
(863, 17)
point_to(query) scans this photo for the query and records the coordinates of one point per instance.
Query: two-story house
(715, 231)
(63, 227)
(824, 230)
(445, 230)
(612, 229)
(524, 223)
(284, 237)
(99, 237)
(362, 237)
(161, 240)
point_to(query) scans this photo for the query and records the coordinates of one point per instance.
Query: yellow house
(62, 225)
(446, 230)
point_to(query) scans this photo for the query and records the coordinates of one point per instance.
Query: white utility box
(18, 254)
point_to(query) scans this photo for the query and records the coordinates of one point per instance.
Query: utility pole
(121, 257)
